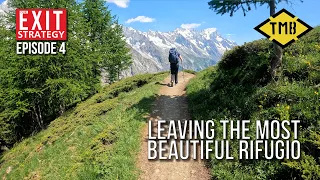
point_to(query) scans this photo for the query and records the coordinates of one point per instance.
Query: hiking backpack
(173, 56)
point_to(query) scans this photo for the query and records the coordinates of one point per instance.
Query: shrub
(240, 87)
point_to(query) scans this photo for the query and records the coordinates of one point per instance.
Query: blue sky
(167, 15)
(171, 14)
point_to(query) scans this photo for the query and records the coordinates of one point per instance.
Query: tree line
(35, 89)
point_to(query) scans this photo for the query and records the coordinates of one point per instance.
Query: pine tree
(35, 88)
(106, 34)
(119, 59)
(231, 6)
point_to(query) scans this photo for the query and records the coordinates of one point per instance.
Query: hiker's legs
(172, 74)
(172, 77)
(172, 69)
(176, 74)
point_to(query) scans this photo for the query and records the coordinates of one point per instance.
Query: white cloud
(190, 26)
(230, 35)
(120, 3)
(142, 19)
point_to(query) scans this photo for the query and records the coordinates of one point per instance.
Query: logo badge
(283, 28)
(41, 31)
(41, 24)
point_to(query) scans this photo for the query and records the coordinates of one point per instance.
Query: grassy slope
(239, 87)
(96, 140)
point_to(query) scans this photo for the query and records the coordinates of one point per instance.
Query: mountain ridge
(199, 48)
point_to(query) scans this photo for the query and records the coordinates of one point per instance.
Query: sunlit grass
(98, 139)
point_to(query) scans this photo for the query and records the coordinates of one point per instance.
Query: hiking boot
(171, 84)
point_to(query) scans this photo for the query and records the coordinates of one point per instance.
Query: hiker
(174, 57)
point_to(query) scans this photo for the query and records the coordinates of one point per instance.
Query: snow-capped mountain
(4, 7)
(149, 50)
(199, 49)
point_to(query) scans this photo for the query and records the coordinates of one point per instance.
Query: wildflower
(288, 107)
(278, 105)
(265, 95)
(308, 62)
(260, 106)
(316, 93)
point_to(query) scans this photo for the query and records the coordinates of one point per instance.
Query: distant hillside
(240, 87)
(199, 49)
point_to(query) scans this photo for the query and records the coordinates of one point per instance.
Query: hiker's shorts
(174, 67)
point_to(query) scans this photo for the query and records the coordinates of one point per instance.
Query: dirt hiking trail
(171, 104)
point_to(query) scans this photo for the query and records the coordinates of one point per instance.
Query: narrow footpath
(171, 104)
